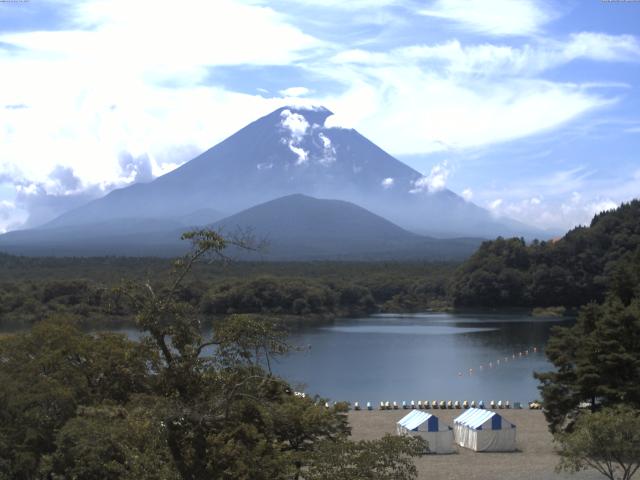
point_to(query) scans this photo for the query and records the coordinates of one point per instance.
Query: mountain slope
(296, 227)
(301, 227)
(291, 151)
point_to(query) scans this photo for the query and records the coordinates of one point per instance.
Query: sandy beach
(535, 458)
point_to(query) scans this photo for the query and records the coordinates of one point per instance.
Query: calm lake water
(421, 356)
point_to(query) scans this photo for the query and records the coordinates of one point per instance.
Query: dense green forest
(570, 272)
(90, 288)
(75, 405)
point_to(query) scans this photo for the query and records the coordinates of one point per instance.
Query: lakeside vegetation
(88, 288)
(76, 405)
(579, 268)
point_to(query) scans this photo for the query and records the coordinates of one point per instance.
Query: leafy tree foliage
(597, 361)
(572, 271)
(47, 374)
(387, 459)
(177, 404)
(32, 289)
(607, 441)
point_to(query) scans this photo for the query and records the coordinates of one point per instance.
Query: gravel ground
(535, 458)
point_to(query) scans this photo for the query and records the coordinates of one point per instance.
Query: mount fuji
(288, 152)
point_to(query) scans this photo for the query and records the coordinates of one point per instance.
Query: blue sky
(528, 108)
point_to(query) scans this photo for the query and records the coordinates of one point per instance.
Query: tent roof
(414, 419)
(476, 417)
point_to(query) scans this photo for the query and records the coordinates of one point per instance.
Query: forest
(90, 288)
(504, 273)
(571, 271)
(82, 405)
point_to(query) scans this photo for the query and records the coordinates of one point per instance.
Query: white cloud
(295, 92)
(300, 152)
(341, 4)
(435, 181)
(433, 110)
(495, 204)
(295, 123)
(493, 17)
(492, 59)
(328, 150)
(387, 183)
(467, 194)
(128, 81)
(297, 127)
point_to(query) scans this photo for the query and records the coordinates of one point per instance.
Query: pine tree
(597, 361)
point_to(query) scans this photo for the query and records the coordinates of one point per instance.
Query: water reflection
(423, 356)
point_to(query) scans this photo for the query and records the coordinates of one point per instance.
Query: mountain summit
(292, 151)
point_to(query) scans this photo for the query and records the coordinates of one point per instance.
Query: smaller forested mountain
(572, 271)
(296, 227)
(299, 227)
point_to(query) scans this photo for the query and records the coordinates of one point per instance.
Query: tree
(389, 458)
(111, 443)
(607, 441)
(178, 404)
(597, 361)
(47, 374)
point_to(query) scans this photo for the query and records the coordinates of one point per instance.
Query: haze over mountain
(298, 226)
(287, 152)
(292, 151)
(295, 227)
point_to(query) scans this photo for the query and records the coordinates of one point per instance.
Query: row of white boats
(442, 404)
(439, 404)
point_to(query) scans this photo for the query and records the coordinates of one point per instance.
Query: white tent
(439, 437)
(484, 431)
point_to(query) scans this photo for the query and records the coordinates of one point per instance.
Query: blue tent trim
(496, 422)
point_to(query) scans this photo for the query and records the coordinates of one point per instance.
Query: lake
(422, 357)
(427, 356)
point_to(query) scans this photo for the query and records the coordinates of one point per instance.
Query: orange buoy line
(500, 361)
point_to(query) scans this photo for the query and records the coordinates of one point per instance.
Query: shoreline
(534, 459)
